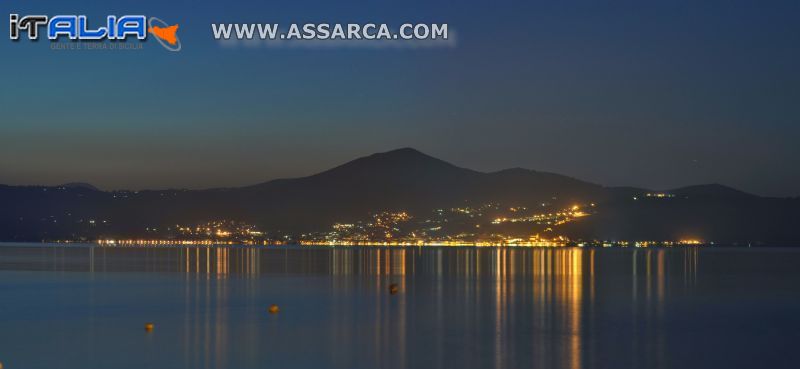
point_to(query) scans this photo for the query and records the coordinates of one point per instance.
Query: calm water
(85, 307)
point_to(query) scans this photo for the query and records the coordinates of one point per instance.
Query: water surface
(85, 307)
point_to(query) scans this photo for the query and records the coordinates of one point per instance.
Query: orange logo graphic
(165, 33)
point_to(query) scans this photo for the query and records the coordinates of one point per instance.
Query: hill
(399, 180)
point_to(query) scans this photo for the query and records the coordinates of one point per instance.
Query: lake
(459, 307)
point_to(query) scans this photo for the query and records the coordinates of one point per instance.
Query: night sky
(657, 94)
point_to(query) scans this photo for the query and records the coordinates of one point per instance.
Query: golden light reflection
(493, 293)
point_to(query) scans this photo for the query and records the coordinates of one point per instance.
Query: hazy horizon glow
(658, 95)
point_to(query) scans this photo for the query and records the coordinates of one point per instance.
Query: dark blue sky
(657, 94)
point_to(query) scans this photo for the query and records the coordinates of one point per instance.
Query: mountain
(398, 180)
(85, 186)
(403, 179)
(711, 190)
(707, 212)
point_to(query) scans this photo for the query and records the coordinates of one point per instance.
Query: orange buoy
(273, 309)
(393, 288)
(148, 327)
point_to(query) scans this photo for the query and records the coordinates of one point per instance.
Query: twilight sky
(657, 94)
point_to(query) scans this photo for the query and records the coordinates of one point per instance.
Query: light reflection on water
(457, 307)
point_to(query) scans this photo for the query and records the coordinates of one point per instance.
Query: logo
(165, 34)
(76, 27)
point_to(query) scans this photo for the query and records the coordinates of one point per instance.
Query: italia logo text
(77, 27)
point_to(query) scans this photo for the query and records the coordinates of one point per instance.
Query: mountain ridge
(406, 153)
(401, 180)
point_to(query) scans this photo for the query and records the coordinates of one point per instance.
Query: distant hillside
(403, 179)
(711, 191)
(741, 219)
(82, 185)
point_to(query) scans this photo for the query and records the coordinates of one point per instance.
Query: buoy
(273, 309)
(393, 288)
(148, 327)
